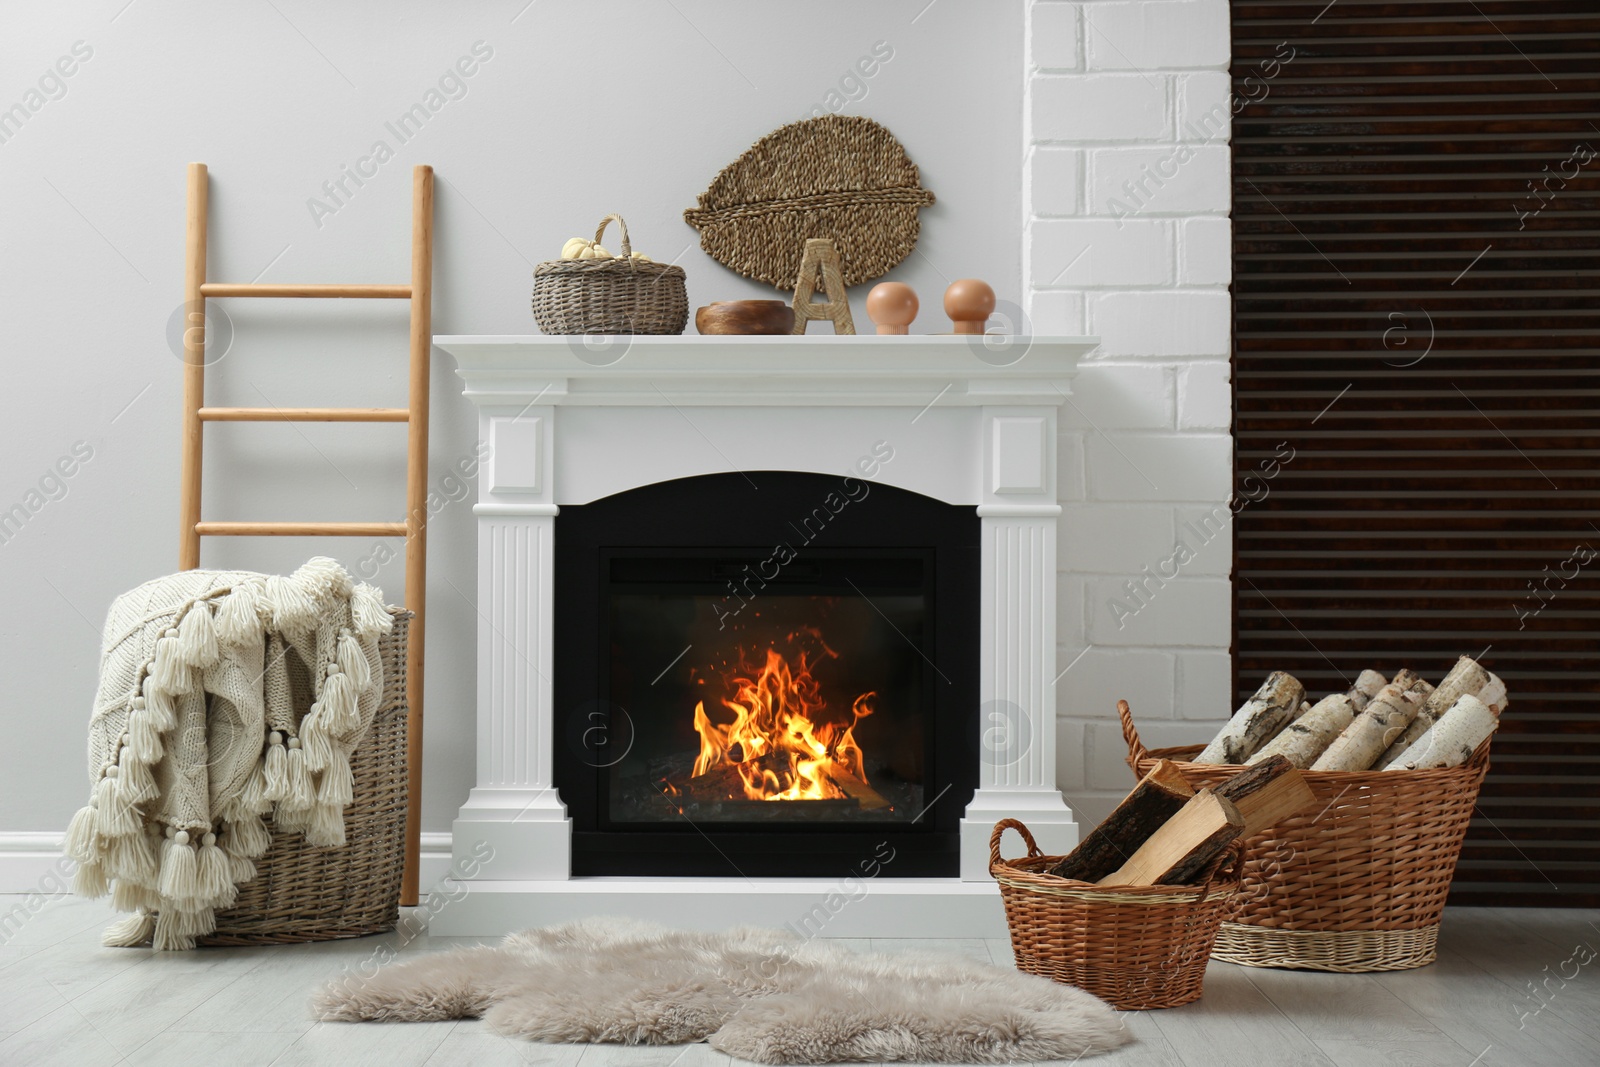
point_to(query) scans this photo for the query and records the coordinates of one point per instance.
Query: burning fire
(782, 742)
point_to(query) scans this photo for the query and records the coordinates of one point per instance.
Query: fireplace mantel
(569, 420)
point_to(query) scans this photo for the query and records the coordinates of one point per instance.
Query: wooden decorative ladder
(414, 529)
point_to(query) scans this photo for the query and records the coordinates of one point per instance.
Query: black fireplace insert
(766, 674)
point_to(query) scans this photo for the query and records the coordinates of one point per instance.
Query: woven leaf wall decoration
(840, 176)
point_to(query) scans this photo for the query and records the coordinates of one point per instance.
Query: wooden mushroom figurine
(969, 303)
(893, 306)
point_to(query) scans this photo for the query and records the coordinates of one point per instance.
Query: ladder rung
(300, 529)
(304, 414)
(363, 292)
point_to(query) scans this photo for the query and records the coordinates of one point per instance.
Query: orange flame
(781, 740)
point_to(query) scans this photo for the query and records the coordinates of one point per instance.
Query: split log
(854, 788)
(1465, 678)
(1177, 852)
(1159, 796)
(1262, 716)
(1375, 729)
(1267, 793)
(724, 782)
(1453, 739)
(1493, 695)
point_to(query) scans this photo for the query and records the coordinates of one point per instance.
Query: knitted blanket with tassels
(224, 696)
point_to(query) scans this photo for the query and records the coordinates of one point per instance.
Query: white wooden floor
(66, 1000)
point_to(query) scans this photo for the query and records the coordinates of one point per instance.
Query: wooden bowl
(745, 317)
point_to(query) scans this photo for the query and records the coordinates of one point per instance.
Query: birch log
(1263, 715)
(1453, 739)
(1368, 685)
(1466, 678)
(1304, 739)
(1374, 730)
(1493, 694)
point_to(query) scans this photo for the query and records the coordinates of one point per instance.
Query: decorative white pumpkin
(581, 248)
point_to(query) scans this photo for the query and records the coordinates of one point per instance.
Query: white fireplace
(567, 421)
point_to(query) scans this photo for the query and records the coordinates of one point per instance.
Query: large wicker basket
(621, 295)
(1135, 947)
(301, 893)
(1355, 883)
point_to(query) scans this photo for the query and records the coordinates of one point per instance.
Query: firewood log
(1262, 716)
(1158, 796)
(1303, 740)
(1177, 852)
(1453, 739)
(1465, 678)
(1267, 793)
(1375, 729)
(1368, 685)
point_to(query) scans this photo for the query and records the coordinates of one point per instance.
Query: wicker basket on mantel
(621, 295)
(1355, 883)
(302, 893)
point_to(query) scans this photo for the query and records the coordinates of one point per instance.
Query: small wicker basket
(1355, 883)
(301, 893)
(1135, 947)
(621, 295)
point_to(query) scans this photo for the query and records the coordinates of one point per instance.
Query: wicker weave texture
(841, 177)
(1135, 947)
(622, 295)
(301, 893)
(1340, 951)
(1375, 854)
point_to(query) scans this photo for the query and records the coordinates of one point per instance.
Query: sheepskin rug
(762, 995)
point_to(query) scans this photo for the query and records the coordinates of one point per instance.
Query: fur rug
(760, 995)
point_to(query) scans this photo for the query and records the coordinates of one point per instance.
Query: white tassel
(247, 837)
(133, 932)
(117, 819)
(144, 739)
(326, 828)
(216, 877)
(168, 672)
(134, 782)
(180, 874)
(314, 739)
(339, 708)
(252, 798)
(298, 794)
(82, 842)
(353, 662)
(236, 621)
(197, 638)
(240, 870)
(131, 859)
(336, 787)
(275, 773)
(293, 611)
(126, 896)
(322, 578)
(89, 880)
(368, 612)
(172, 931)
(159, 707)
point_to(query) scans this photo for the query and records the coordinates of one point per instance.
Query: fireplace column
(514, 808)
(1017, 636)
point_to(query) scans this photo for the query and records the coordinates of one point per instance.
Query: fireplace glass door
(747, 693)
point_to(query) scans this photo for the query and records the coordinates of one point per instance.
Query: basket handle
(1011, 824)
(627, 247)
(1224, 866)
(1130, 734)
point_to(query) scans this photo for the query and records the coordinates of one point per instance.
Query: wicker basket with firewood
(1356, 881)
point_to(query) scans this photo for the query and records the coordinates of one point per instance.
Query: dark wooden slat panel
(1430, 165)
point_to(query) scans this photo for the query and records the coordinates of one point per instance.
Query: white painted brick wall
(1135, 93)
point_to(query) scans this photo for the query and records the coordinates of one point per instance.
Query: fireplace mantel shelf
(864, 370)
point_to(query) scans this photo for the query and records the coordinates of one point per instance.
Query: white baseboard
(28, 860)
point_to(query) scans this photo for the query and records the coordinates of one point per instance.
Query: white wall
(583, 108)
(1137, 93)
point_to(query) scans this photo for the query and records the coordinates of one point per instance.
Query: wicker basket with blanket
(227, 700)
